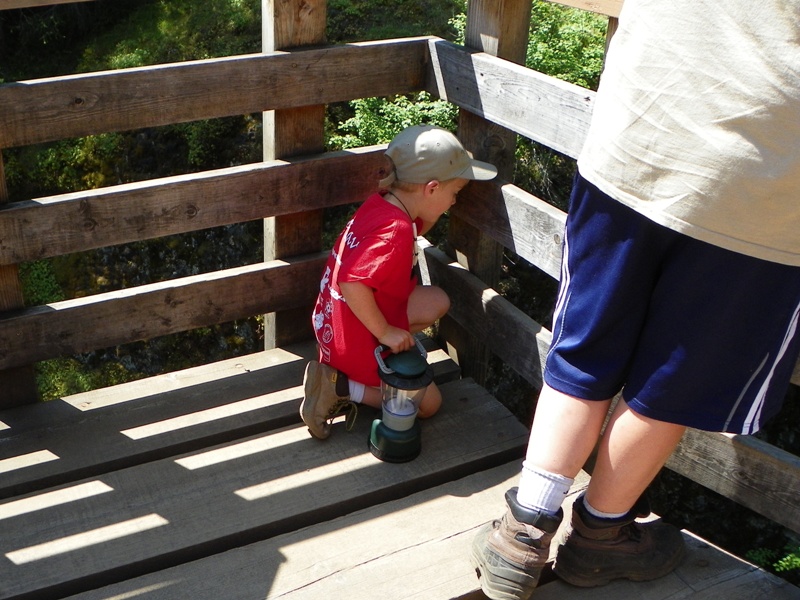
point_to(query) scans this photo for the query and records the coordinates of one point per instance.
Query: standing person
(680, 283)
(368, 293)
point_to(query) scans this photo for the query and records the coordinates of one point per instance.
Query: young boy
(368, 293)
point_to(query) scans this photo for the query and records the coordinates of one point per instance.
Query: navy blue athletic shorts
(691, 333)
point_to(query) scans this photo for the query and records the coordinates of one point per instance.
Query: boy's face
(440, 197)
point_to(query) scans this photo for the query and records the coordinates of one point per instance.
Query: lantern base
(395, 446)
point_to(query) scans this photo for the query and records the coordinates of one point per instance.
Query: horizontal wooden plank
(44, 444)
(542, 108)
(610, 8)
(510, 334)
(12, 4)
(745, 469)
(105, 320)
(77, 105)
(67, 223)
(167, 512)
(425, 554)
(519, 221)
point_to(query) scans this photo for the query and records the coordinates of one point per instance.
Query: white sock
(356, 391)
(541, 489)
(600, 514)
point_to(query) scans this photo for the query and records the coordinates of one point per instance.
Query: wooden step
(144, 518)
(418, 547)
(45, 444)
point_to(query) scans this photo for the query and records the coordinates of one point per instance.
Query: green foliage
(66, 376)
(39, 283)
(566, 43)
(357, 20)
(378, 120)
(785, 563)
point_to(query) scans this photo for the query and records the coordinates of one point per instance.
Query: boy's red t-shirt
(376, 248)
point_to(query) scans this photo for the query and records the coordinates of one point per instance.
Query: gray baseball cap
(422, 153)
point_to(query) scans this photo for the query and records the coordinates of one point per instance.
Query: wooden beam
(521, 222)
(45, 227)
(76, 105)
(542, 108)
(106, 320)
(744, 469)
(290, 132)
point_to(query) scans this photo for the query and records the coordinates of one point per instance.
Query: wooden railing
(498, 98)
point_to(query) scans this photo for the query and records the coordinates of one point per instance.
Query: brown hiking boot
(599, 550)
(509, 554)
(326, 394)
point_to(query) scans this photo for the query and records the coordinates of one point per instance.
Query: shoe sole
(577, 572)
(499, 579)
(319, 432)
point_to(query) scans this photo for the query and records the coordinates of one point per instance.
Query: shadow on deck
(204, 484)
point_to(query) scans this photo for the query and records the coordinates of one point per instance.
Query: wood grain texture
(78, 105)
(195, 505)
(79, 221)
(144, 312)
(540, 107)
(12, 4)
(609, 8)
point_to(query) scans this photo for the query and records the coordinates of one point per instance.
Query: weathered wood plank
(167, 512)
(520, 221)
(43, 445)
(74, 222)
(290, 132)
(77, 105)
(530, 103)
(610, 8)
(510, 334)
(415, 547)
(12, 4)
(109, 319)
(745, 469)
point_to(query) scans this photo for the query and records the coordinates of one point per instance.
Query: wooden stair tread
(417, 547)
(44, 444)
(237, 493)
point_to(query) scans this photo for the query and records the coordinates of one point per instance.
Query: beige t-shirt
(697, 121)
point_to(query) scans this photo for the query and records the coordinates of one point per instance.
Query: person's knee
(431, 402)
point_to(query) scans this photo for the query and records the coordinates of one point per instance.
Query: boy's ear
(432, 186)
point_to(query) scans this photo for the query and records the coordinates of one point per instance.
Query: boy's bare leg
(564, 432)
(633, 449)
(426, 304)
(631, 453)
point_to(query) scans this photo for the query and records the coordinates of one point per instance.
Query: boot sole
(577, 572)
(499, 579)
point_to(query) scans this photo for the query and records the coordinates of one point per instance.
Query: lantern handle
(384, 348)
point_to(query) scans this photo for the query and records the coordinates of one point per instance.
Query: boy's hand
(397, 339)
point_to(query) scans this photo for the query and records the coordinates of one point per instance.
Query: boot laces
(339, 407)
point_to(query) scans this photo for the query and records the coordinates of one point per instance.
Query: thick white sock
(600, 514)
(356, 391)
(541, 489)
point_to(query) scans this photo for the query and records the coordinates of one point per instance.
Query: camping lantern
(405, 376)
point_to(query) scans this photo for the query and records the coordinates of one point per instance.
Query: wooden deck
(204, 484)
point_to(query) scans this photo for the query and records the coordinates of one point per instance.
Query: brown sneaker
(599, 550)
(325, 395)
(509, 554)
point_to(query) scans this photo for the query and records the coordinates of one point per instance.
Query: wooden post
(288, 24)
(17, 386)
(499, 28)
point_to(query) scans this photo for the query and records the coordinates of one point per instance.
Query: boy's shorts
(691, 333)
